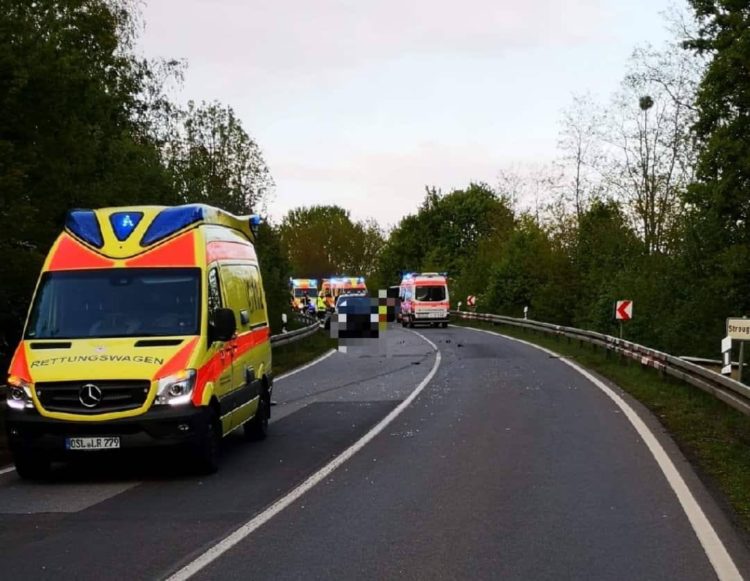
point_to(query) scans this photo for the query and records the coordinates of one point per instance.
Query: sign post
(623, 312)
(726, 353)
(739, 330)
(742, 361)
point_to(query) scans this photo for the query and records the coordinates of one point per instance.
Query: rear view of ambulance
(148, 327)
(303, 290)
(424, 299)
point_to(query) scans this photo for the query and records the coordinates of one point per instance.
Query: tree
(215, 161)
(715, 238)
(649, 158)
(604, 247)
(579, 143)
(70, 134)
(276, 271)
(530, 271)
(446, 233)
(323, 241)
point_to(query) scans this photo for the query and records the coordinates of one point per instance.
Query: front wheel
(31, 466)
(257, 428)
(207, 450)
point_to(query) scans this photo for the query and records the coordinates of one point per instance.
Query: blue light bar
(123, 223)
(84, 225)
(171, 220)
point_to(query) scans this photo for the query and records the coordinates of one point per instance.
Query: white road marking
(248, 528)
(7, 470)
(717, 554)
(307, 366)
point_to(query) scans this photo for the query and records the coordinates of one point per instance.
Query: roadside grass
(712, 435)
(285, 359)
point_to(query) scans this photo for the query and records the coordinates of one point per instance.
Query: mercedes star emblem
(90, 395)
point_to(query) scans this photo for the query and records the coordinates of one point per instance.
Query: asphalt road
(509, 464)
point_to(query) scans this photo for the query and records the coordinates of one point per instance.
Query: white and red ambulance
(424, 299)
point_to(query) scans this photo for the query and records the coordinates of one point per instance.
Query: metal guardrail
(297, 334)
(728, 390)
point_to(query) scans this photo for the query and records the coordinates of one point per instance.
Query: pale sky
(362, 103)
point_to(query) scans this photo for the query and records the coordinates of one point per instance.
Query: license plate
(99, 443)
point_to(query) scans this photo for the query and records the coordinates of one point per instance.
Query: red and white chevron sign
(471, 301)
(624, 310)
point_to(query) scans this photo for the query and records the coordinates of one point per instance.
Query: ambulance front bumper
(158, 427)
(431, 317)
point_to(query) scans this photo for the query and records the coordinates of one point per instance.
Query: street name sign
(738, 329)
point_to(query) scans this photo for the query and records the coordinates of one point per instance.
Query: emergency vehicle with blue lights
(424, 299)
(148, 327)
(347, 285)
(301, 288)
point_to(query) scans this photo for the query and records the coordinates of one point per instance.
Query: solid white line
(307, 366)
(716, 552)
(248, 528)
(7, 470)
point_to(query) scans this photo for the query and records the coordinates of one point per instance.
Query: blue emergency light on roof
(171, 220)
(84, 225)
(123, 223)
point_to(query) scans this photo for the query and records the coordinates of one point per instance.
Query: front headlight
(176, 389)
(19, 394)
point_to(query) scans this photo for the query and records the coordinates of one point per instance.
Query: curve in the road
(717, 554)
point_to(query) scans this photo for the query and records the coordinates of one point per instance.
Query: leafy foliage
(68, 131)
(323, 241)
(85, 123)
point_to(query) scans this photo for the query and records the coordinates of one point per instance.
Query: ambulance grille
(116, 396)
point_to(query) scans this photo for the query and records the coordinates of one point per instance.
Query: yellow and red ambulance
(302, 288)
(424, 299)
(347, 285)
(148, 327)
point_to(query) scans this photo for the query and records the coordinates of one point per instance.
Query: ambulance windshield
(429, 293)
(116, 303)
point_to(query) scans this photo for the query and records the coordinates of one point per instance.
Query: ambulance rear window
(429, 293)
(117, 303)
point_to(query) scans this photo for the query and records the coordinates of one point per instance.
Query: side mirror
(222, 326)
